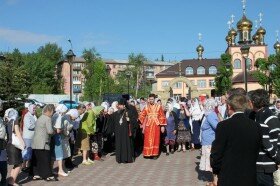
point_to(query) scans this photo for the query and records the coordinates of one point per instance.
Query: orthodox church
(195, 77)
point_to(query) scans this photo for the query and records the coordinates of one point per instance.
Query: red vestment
(152, 117)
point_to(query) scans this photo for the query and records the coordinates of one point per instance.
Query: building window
(237, 64)
(75, 78)
(249, 64)
(201, 70)
(189, 71)
(211, 83)
(164, 84)
(201, 83)
(177, 85)
(212, 70)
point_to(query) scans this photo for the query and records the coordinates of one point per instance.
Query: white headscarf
(168, 108)
(61, 108)
(73, 113)
(209, 106)
(31, 109)
(105, 105)
(11, 114)
(114, 106)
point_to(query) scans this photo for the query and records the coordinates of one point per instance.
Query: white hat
(61, 108)
(73, 113)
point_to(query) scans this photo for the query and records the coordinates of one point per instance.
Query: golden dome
(261, 31)
(255, 37)
(232, 32)
(228, 38)
(276, 45)
(244, 23)
(199, 48)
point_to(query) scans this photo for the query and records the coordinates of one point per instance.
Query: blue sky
(118, 27)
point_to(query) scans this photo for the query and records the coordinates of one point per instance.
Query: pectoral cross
(260, 15)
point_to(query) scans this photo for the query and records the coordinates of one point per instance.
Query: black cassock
(123, 141)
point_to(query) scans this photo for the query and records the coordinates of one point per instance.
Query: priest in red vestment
(153, 120)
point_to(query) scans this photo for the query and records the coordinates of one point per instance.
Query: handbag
(15, 140)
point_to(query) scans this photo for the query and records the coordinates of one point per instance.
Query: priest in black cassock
(123, 133)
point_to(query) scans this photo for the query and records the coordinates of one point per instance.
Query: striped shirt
(269, 156)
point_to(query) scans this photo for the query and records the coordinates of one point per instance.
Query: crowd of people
(237, 135)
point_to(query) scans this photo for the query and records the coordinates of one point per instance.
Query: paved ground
(177, 169)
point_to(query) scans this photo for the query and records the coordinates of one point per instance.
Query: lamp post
(245, 53)
(108, 70)
(70, 58)
(128, 76)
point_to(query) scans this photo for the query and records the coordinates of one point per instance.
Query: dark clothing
(13, 153)
(235, 150)
(41, 163)
(264, 179)
(123, 142)
(268, 157)
(3, 171)
(196, 132)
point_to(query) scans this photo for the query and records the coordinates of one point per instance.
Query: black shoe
(167, 154)
(155, 157)
(172, 151)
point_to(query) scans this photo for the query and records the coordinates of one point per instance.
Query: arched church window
(245, 36)
(189, 71)
(212, 70)
(201, 70)
(237, 64)
(249, 64)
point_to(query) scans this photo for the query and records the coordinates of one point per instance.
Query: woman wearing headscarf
(208, 128)
(183, 132)
(195, 122)
(171, 128)
(41, 159)
(14, 153)
(28, 133)
(67, 121)
(58, 137)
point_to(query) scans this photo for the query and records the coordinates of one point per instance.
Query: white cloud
(11, 2)
(25, 37)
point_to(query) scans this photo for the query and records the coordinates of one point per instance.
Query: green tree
(261, 74)
(97, 80)
(14, 79)
(42, 67)
(223, 80)
(274, 73)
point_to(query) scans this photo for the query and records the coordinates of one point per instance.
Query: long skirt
(196, 132)
(41, 163)
(151, 140)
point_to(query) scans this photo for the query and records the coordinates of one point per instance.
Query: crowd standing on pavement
(238, 135)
